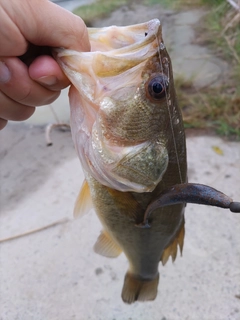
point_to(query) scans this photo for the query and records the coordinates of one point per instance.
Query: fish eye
(157, 86)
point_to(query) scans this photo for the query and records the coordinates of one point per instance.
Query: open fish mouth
(113, 135)
(114, 50)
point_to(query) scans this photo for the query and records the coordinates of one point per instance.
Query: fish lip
(150, 25)
(134, 50)
(118, 58)
(151, 30)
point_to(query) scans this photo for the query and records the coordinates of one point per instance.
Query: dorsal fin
(180, 238)
(106, 246)
(171, 249)
(83, 203)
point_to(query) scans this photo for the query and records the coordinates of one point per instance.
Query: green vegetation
(213, 108)
(212, 2)
(217, 108)
(174, 4)
(222, 27)
(210, 108)
(168, 3)
(98, 9)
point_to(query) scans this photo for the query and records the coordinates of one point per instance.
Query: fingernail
(47, 80)
(5, 74)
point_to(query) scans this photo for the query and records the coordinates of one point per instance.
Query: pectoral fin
(83, 202)
(106, 246)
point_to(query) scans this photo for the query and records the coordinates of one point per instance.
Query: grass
(217, 108)
(165, 3)
(222, 31)
(213, 108)
(98, 9)
(210, 108)
(174, 4)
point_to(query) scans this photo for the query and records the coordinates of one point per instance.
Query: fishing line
(169, 112)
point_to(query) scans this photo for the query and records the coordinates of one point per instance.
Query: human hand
(29, 76)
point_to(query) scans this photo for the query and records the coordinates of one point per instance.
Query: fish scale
(131, 124)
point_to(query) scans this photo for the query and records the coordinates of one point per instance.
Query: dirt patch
(133, 14)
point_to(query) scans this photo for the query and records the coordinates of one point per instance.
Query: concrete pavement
(54, 273)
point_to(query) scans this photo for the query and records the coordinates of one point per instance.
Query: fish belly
(119, 213)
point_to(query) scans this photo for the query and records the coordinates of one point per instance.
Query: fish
(128, 132)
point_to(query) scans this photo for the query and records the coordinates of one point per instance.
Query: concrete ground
(53, 274)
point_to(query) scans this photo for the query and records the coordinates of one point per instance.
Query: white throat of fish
(168, 102)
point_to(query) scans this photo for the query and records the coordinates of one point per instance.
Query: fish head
(119, 101)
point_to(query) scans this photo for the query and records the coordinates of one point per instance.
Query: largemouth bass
(128, 131)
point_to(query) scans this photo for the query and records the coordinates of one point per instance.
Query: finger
(22, 88)
(3, 123)
(49, 25)
(12, 40)
(47, 72)
(12, 110)
(57, 27)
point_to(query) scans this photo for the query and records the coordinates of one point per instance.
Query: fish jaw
(115, 52)
(114, 37)
(107, 94)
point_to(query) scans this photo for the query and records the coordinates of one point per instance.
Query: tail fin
(139, 289)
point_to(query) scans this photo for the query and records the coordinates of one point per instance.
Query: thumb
(44, 23)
